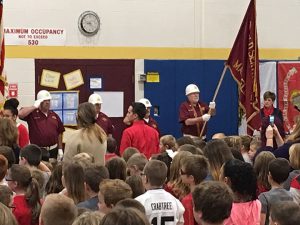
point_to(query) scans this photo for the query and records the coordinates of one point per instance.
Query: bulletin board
(65, 104)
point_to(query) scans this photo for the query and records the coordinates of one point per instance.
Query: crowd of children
(227, 180)
(230, 180)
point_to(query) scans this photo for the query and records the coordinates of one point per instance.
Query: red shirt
(186, 111)
(44, 130)
(22, 210)
(105, 123)
(23, 135)
(142, 137)
(188, 213)
(109, 156)
(296, 183)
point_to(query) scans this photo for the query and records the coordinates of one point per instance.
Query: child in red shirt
(193, 171)
(27, 200)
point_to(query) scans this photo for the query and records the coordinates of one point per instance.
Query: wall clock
(89, 23)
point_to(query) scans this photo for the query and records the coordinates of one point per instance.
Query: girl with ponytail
(26, 202)
(90, 138)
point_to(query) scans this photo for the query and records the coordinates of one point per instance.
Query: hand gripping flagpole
(215, 95)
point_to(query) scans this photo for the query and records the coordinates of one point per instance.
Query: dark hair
(154, 177)
(196, 166)
(199, 142)
(164, 157)
(184, 140)
(94, 175)
(8, 154)
(279, 169)
(136, 184)
(237, 154)
(22, 175)
(5, 195)
(285, 213)
(12, 105)
(269, 94)
(111, 145)
(32, 153)
(214, 200)
(132, 203)
(139, 160)
(54, 184)
(242, 178)
(40, 178)
(114, 190)
(128, 216)
(217, 153)
(45, 154)
(190, 148)
(117, 168)
(139, 109)
(86, 116)
(130, 151)
(74, 181)
(246, 140)
(3, 167)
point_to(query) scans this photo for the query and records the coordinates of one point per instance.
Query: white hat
(95, 99)
(146, 102)
(43, 95)
(191, 88)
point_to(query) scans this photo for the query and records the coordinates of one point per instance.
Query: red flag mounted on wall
(2, 55)
(243, 63)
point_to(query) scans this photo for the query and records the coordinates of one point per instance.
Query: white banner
(267, 81)
(35, 36)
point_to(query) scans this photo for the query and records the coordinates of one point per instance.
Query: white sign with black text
(35, 36)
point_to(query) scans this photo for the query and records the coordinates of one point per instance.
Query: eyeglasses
(182, 172)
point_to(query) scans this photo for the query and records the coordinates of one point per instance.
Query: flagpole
(215, 95)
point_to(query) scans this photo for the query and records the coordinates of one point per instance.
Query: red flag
(2, 50)
(243, 63)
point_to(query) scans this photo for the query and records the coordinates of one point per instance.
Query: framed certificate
(56, 101)
(65, 104)
(70, 100)
(69, 117)
(73, 79)
(95, 83)
(50, 78)
(59, 113)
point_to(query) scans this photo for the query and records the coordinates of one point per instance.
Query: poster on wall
(35, 36)
(65, 104)
(56, 101)
(289, 92)
(73, 79)
(50, 78)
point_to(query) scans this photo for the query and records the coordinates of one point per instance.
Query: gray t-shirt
(268, 198)
(292, 175)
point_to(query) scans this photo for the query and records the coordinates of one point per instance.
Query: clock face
(89, 23)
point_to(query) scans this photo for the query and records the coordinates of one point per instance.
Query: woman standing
(90, 138)
(270, 116)
(11, 111)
